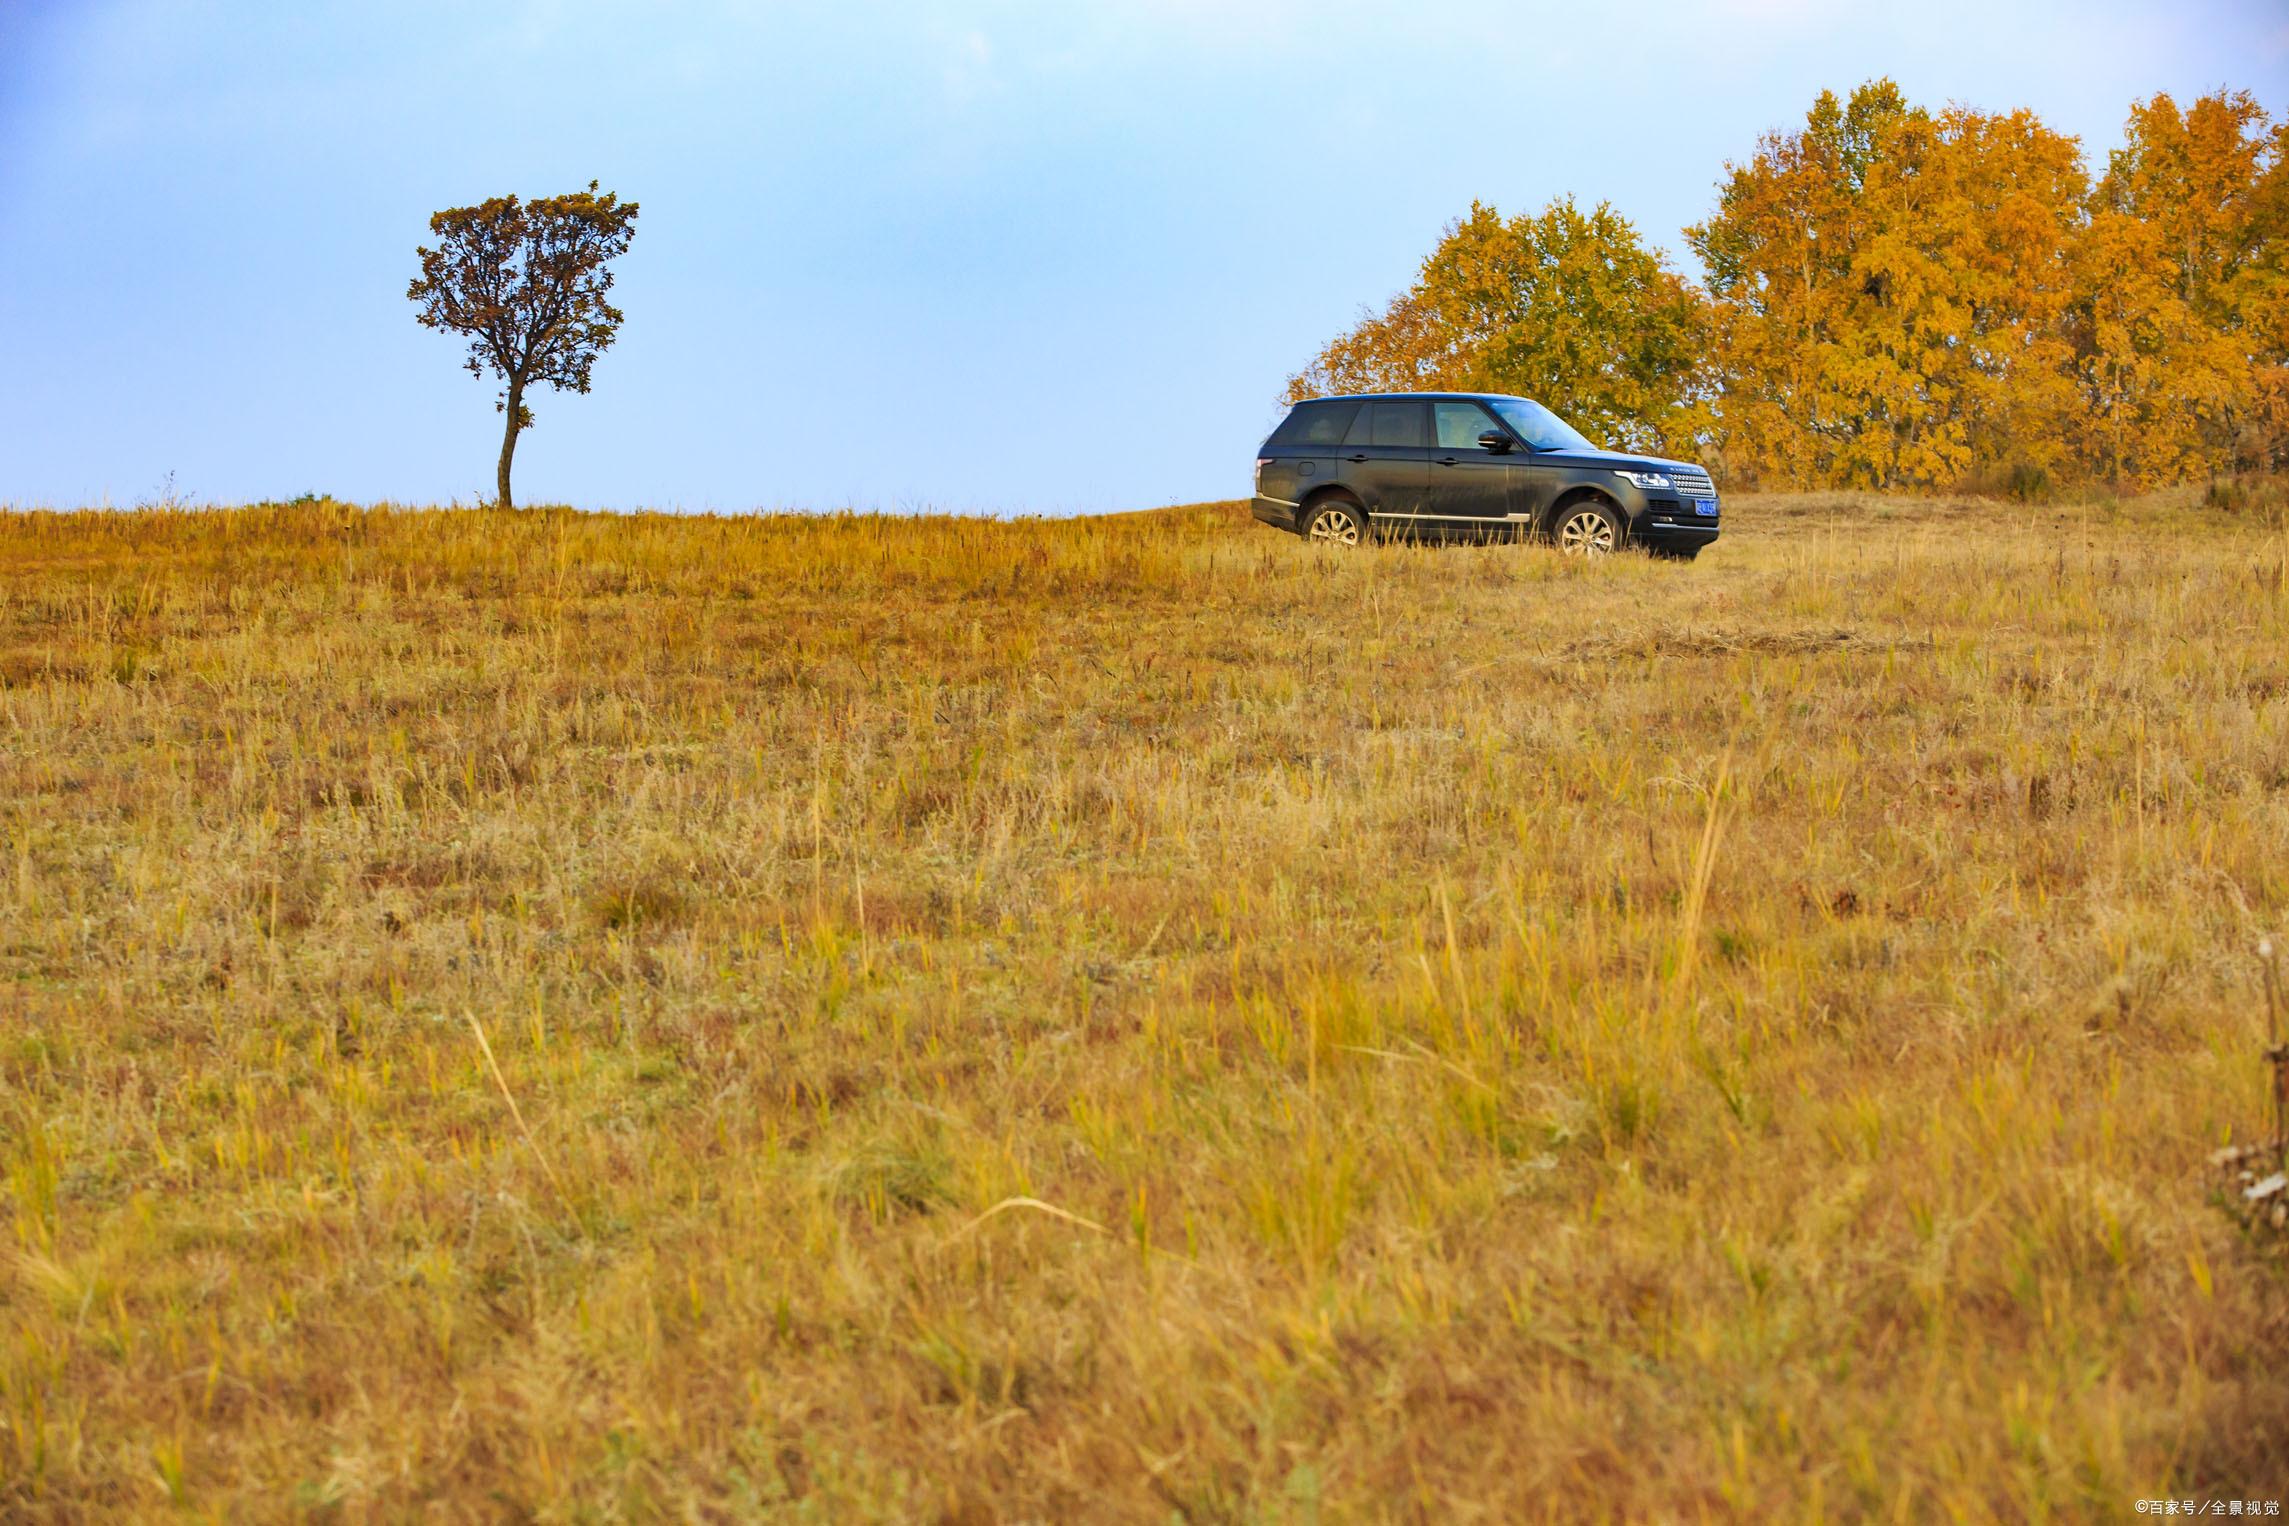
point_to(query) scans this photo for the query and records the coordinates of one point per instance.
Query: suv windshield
(1537, 425)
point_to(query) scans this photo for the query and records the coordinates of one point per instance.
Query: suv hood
(1614, 461)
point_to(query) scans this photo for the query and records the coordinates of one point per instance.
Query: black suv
(1472, 465)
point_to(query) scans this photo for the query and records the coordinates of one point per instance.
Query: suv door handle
(1360, 457)
(1447, 460)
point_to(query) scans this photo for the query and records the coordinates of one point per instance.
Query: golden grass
(874, 1018)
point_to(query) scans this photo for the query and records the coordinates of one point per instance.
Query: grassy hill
(1116, 1018)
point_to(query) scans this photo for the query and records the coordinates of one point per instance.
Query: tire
(1586, 527)
(1335, 522)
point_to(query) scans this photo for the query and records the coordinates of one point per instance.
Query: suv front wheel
(1588, 528)
(1335, 522)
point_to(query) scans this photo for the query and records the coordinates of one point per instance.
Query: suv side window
(1389, 424)
(1315, 424)
(1460, 424)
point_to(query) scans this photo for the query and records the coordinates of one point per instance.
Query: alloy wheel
(1586, 532)
(1335, 526)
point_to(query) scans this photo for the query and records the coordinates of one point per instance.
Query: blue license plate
(1705, 507)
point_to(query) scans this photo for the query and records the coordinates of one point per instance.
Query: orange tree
(1566, 305)
(2259, 297)
(2180, 341)
(1889, 287)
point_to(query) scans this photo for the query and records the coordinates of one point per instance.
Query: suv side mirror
(1494, 440)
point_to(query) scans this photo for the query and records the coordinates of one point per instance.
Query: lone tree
(526, 282)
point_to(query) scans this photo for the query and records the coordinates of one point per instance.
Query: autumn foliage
(1892, 296)
(1568, 295)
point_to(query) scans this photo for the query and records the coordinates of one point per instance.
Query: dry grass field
(1134, 1019)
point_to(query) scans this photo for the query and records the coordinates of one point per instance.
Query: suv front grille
(1692, 482)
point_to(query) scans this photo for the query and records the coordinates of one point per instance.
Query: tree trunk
(2114, 418)
(515, 413)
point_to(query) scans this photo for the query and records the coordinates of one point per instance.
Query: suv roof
(1370, 397)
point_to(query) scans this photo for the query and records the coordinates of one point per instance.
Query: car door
(1386, 460)
(1474, 490)
(1536, 479)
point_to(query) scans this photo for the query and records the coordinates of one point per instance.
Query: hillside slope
(1104, 1018)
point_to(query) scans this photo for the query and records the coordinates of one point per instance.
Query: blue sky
(989, 255)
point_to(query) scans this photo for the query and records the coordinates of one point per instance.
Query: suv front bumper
(1670, 522)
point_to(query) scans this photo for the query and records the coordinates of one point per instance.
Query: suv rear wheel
(1335, 522)
(1587, 528)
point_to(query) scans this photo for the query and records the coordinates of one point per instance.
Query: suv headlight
(1645, 479)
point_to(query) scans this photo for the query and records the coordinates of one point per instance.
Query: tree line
(1894, 297)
